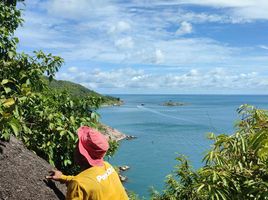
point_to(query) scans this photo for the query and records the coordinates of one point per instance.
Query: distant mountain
(77, 90)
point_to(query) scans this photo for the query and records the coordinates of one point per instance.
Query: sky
(153, 46)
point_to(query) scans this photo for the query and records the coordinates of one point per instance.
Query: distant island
(173, 103)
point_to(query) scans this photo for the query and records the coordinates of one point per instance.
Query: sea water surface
(164, 132)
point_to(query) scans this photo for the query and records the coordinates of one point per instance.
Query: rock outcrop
(22, 174)
(112, 133)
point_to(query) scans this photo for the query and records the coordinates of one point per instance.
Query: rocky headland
(112, 133)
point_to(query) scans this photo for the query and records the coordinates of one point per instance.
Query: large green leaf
(15, 125)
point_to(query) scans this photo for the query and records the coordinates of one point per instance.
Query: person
(98, 180)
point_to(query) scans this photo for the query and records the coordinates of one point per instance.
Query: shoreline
(112, 104)
(112, 133)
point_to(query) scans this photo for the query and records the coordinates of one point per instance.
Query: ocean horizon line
(184, 94)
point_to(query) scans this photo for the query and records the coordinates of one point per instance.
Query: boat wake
(166, 115)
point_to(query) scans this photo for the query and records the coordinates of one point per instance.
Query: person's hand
(54, 175)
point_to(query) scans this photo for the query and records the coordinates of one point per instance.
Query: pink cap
(92, 145)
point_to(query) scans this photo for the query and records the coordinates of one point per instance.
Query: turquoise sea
(164, 132)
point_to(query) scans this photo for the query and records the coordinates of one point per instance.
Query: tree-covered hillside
(79, 91)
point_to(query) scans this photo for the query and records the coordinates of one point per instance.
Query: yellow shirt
(95, 183)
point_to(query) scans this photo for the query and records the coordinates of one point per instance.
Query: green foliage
(133, 196)
(10, 19)
(79, 91)
(45, 120)
(235, 167)
(113, 146)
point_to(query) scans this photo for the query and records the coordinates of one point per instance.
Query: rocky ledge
(115, 134)
(122, 169)
(112, 133)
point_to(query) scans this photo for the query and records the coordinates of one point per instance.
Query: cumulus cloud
(185, 28)
(213, 79)
(115, 32)
(129, 78)
(120, 78)
(143, 33)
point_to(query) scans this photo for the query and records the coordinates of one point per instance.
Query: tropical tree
(45, 120)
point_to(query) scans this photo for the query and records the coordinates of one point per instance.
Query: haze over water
(164, 132)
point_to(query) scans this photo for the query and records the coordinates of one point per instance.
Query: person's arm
(65, 178)
(58, 176)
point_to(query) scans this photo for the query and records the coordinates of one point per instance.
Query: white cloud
(195, 51)
(142, 33)
(135, 39)
(41, 31)
(263, 47)
(124, 43)
(129, 78)
(119, 27)
(221, 3)
(212, 3)
(82, 10)
(120, 78)
(203, 17)
(248, 9)
(214, 79)
(159, 56)
(185, 28)
(72, 69)
(193, 72)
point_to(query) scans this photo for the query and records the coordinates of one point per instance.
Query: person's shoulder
(90, 172)
(107, 164)
(93, 172)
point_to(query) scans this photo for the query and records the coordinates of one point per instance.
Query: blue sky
(154, 46)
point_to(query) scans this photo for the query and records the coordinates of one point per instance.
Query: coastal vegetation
(78, 91)
(234, 168)
(45, 119)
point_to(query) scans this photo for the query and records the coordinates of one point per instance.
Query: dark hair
(80, 159)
